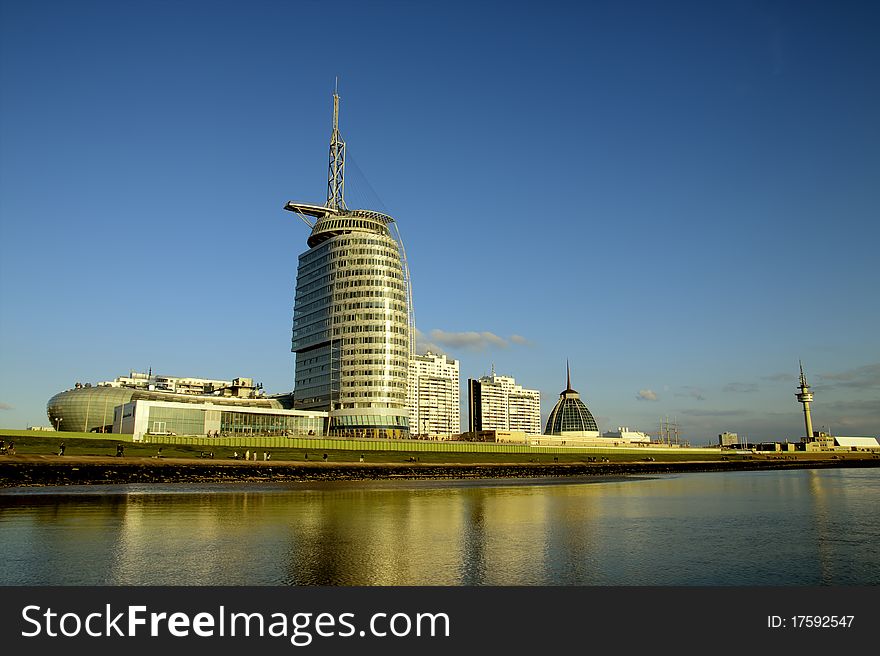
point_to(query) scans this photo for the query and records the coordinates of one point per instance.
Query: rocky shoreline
(55, 471)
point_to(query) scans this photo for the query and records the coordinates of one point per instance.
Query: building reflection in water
(750, 528)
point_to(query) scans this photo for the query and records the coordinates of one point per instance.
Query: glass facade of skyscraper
(350, 326)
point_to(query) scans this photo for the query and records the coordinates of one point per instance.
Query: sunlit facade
(351, 319)
(162, 418)
(434, 408)
(498, 403)
(90, 408)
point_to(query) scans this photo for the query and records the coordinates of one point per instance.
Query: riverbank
(47, 470)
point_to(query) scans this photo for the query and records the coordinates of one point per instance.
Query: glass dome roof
(570, 415)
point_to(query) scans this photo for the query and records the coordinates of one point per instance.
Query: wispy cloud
(424, 344)
(740, 388)
(780, 377)
(712, 413)
(691, 392)
(474, 340)
(6, 406)
(647, 395)
(867, 377)
(854, 416)
(866, 406)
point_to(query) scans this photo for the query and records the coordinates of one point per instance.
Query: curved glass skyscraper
(351, 320)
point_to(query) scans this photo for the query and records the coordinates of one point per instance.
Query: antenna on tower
(567, 375)
(336, 172)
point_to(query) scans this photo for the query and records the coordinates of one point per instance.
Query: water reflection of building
(364, 536)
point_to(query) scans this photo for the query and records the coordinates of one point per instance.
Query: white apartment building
(434, 409)
(498, 403)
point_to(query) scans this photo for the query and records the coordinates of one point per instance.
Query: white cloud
(474, 340)
(424, 344)
(646, 395)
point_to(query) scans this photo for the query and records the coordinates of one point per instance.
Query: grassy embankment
(86, 444)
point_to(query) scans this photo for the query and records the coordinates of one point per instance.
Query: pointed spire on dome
(570, 415)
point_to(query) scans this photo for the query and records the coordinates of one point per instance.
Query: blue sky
(681, 198)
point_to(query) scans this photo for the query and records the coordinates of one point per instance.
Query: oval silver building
(89, 409)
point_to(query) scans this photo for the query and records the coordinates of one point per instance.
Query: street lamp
(58, 424)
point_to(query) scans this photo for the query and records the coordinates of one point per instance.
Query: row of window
(351, 362)
(319, 321)
(303, 338)
(386, 395)
(371, 328)
(347, 223)
(309, 266)
(306, 284)
(378, 379)
(342, 296)
(369, 282)
(375, 340)
(352, 379)
(345, 246)
(323, 292)
(368, 420)
(346, 307)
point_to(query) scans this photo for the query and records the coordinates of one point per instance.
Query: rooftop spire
(336, 173)
(567, 375)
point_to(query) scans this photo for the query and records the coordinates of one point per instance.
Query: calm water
(752, 528)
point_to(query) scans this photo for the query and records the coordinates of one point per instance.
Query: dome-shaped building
(570, 416)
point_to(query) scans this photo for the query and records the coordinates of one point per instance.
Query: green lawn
(88, 444)
(85, 444)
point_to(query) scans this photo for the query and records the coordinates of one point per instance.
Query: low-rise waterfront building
(625, 435)
(90, 408)
(160, 418)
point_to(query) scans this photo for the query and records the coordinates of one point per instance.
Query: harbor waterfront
(793, 527)
(41, 460)
(84, 470)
